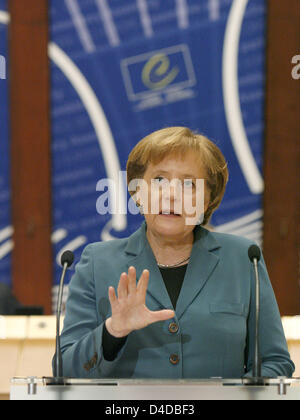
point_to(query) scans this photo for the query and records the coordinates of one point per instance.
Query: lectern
(33, 388)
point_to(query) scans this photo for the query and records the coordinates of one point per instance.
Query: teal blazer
(215, 314)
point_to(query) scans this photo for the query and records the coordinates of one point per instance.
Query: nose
(172, 193)
(176, 191)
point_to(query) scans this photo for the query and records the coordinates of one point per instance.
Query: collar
(202, 238)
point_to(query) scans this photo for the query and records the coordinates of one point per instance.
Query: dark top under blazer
(215, 314)
(173, 279)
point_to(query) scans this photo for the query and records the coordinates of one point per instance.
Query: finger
(162, 315)
(143, 283)
(112, 296)
(131, 280)
(123, 286)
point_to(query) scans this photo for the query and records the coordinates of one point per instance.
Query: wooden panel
(27, 345)
(282, 155)
(30, 151)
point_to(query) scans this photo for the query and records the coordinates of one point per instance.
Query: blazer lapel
(201, 265)
(143, 258)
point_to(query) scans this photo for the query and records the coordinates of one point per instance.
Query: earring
(141, 209)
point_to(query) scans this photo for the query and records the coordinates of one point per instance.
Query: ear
(207, 197)
(134, 191)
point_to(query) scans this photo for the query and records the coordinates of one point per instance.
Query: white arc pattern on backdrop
(232, 103)
(100, 124)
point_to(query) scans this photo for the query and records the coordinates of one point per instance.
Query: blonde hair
(177, 141)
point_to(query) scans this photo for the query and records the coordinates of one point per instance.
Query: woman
(173, 300)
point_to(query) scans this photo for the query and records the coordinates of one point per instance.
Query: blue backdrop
(120, 70)
(5, 220)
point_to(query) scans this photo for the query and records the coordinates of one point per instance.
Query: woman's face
(175, 186)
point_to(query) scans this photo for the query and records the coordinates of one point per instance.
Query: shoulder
(229, 243)
(232, 240)
(98, 261)
(104, 257)
(132, 244)
(106, 247)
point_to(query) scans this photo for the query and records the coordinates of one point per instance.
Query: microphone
(67, 259)
(254, 255)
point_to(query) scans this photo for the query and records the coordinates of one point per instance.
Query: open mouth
(169, 214)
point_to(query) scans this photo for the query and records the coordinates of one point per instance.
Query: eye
(189, 183)
(159, 179)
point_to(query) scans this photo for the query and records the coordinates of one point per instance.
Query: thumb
(162, 315)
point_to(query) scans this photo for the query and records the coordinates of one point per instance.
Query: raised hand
(129, 311)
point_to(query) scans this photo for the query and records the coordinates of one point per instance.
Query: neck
(170, 251)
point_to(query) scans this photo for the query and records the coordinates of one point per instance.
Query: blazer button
(173, 327)
(174, 359)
